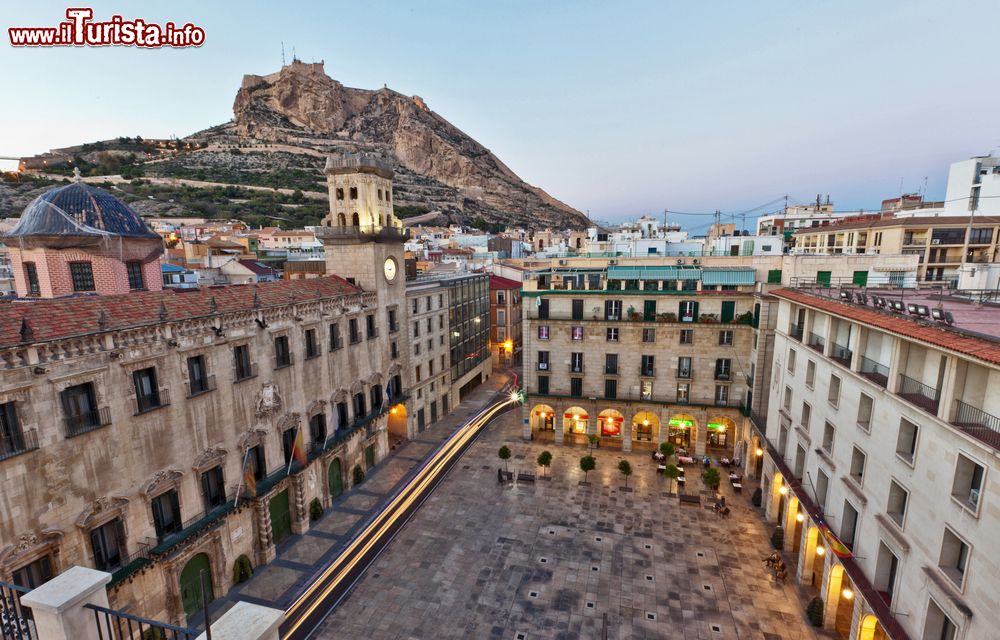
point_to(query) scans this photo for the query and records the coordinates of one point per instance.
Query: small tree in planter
(594, 440)
(587, 464)
(626, 470)
(815, 612)
(711, 478)
(242, 570)
(778, 538)
(544, 460)
(315, 510)
(358, 473)
(758, 495)
(673, 473)
(667, 449)
(504, 454)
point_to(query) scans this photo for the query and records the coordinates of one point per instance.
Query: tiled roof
(77, 316)
(979, 348)
(257, 268)
(912, 221)
(498, 282)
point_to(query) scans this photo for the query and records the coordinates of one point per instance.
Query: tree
(673, 473)
(593, 440)
(587, 464)
(544, 460)
(667, 449)
(504, 455)
(711, 478)
(626, 470)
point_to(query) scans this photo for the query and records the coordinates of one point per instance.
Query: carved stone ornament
(375, 379)
(288, 421)
(395, 368)
(100, 510)
(340, 395)
(268, 400)
(27, 543)
(316, 406)
(209, 458)
(252, 438)
(160, 482)
(357, 387)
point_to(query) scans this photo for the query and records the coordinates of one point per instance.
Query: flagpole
(239, 487)
(295, 442)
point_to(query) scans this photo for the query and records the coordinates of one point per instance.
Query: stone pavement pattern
(548, 560)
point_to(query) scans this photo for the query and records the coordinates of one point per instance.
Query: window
(646, 390)
(687, 336)
(886, 568)
(828, 434)
(858, 460)
(134, 271)
(543, 385)
(543, 360)
(360, 406)
(501, 317)
(611, 363)
(612, 334)
(810, 374)
(576, 387)
(576, 362)
(610, 388)
(391, 315)
(501, 336)
(980, 236)
(317, 426)
(722, 394)
(213, 489)
(577, 333)
(147, 394)
(376, 392)
(241, 355)
(726, 337)
(688, 310)
(967, 485)
(822, 487)
(282, 356)
(430, 369)
(11, 437)
(372, 330)
(31, 275)
(647, 366)
(649, 335)
(774, 276)
(906, 441)
(34, 575)
(937, 625)
(415, 306)
(418, 376)
(543, 332)
(335, 340)
(340, 194)
(107, 543)
(954, 557)
(577, 309)
(683, 393)
(612, 309)
(896, 507)
(501, 297)
(723, 369)
(543, 309)
(800, 461)
(354, 193)
(430, 324)
(343, 421)
(82, 274)
(354, 334)
(806, 415)
(865, 405)
(166, 514)
(416, 329)
(197, 377)
(833, 397)
(848, 524)
(791, 361)
(786, 403)
(684, 367)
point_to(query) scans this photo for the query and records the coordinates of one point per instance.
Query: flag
(249, 481)
(839, 548)
(388, 393)
(298, 451)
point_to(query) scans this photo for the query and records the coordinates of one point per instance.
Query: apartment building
(877, 454)
(505, 321)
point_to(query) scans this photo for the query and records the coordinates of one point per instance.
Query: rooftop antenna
(282, 54)
(900, 186)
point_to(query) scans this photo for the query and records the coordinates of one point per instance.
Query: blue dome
(80, 210)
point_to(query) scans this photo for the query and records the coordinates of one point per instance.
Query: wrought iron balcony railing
(874, 371)
(920, 394)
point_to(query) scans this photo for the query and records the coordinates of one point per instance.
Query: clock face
(389, 268)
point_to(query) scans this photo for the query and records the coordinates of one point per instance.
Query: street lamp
(759, 452)
(783, 490)
(799, 517)
(847, 593)
(820, 550)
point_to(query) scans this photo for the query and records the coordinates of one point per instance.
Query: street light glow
(759, 452)
(783, 490)
(820, 550)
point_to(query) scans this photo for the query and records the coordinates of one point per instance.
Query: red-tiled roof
(980, 348)
(257, 268)
(498, 282)
(68, 317)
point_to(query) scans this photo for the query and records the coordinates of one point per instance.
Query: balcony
(920, 394)
(684, 374)
(80, 423)
(158, 400)
(816, 342)
(841, 354)
(724, 376)
(647, 372)
(877, 373)
(543, 366)
(795, 331)
(205, 520)
(977, 423)
(611, 370)
(16, 443)
(132, 563)
(576, 367)
(287, 359)
(207, 384)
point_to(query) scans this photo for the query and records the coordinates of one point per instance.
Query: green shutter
(728, 310)
(774, 276)
(823, 278)
(861, 278)
(696, 312)
(756, 315)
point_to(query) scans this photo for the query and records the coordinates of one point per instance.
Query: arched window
(341, 219)
(355, 220)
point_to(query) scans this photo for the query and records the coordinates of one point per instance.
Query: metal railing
(611, 370)
(154, 401)
(816, 341)
(874, 371)
(374, 232)
(977, 423)
(920, 394)
(132, 563)
(795, 331)
(16, 622)
(841, 354)
(723, 375)
(87, 421)
(576, 368)
(118, 625)
(647, 372)
(18, 442)
(207, 384)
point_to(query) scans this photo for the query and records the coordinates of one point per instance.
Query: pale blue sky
(621, 108)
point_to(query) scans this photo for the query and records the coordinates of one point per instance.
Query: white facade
(973, 185)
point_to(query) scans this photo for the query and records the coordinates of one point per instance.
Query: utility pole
(282, 54)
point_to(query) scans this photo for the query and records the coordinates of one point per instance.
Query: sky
(617, 108)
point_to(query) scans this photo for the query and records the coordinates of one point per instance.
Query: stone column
(300, 512)
(526, 417)
(58, 605)
(264, 549)
(246, 621)
(626, 435)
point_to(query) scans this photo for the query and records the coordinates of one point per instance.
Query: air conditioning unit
(680, 261)
(936, 241)
(695, 261)
(612, 262)
(543, 366)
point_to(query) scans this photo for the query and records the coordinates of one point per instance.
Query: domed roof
(79, 210)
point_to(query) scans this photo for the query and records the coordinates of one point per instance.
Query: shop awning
(728, 275)
(653, 273)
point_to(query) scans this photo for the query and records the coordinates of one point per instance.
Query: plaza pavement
(549, 559)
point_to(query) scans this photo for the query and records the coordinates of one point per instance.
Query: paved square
(549, 559)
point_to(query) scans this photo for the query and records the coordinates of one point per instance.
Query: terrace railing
(920, 394)
(16, 622)
(118, 625)
(875, 371)
(977, 423)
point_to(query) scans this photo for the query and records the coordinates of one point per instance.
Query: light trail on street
(334, 582)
